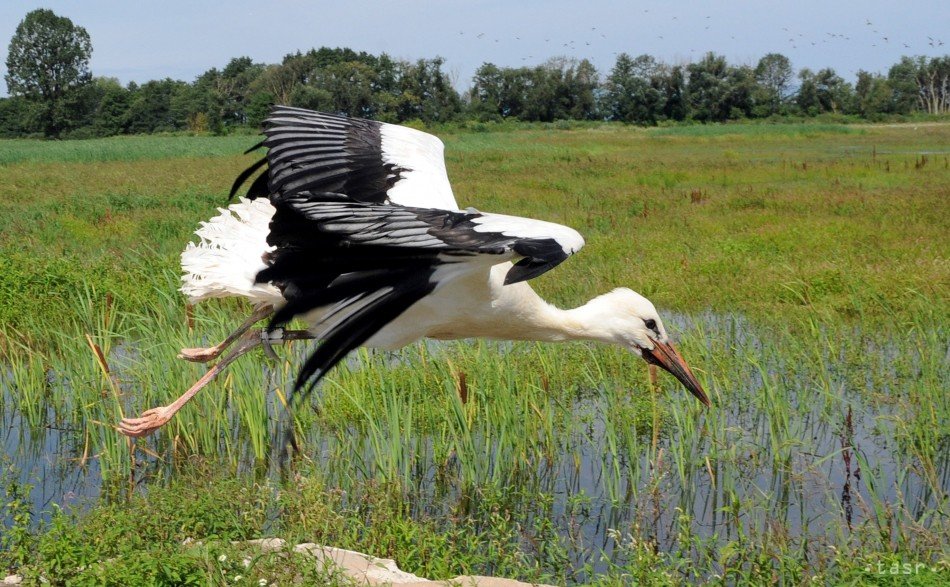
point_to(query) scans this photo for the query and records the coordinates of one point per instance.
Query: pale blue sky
(135, 40)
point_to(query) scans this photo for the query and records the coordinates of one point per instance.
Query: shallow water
(46, 459)
(810, 448)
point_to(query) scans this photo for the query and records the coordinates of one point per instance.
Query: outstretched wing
(315, 155)
(366, 225)
(365, 264)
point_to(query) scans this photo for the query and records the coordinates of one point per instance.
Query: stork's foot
(148, 422)
(200, 355)
(203, 355)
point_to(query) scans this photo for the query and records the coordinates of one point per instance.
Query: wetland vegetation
(803, 269)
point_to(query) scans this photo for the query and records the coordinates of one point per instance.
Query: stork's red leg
(153, 419)
(203, 355)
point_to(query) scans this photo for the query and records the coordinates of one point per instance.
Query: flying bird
(353, 227)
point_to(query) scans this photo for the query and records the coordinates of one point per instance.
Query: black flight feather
(254, 147)
(540, 256)
(360, 326)
(311, 152)
(259, 189)
(240, 179)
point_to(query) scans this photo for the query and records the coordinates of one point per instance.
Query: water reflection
(48, 459)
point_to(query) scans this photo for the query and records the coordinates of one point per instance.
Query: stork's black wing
(319, 155)
(363, 265)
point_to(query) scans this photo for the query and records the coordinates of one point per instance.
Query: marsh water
(813, 442)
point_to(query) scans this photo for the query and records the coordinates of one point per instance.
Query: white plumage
(570, 240)
(421, 154)
(228, 256)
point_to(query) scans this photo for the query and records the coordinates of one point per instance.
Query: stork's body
(361, 237)
(469, 302)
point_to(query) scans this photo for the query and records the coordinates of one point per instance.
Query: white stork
(354, 228)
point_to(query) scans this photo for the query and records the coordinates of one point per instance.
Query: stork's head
(634, 323)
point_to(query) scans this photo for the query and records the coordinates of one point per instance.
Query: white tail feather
(228, 257)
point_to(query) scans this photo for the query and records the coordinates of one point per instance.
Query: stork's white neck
(517, 312)
(551, 324)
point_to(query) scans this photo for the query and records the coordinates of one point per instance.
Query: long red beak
(666, 356)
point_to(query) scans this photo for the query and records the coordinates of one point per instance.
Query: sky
(137, 40)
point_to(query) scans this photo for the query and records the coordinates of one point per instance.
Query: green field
(803, 269)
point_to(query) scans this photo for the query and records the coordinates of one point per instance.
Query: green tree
(515, 84)
(872, 94)
(902, 78)
(672, 85)
(834, 94)
(48, 60)
(503, 92)
(425, 93)
(741, 94)
(539, 92)
(823, 92)
(581, 82)
(259, 106)
(350, 83)
(311, 97)
(326, 56)
(223, 96)
(234, 89)
(718, 92)
(933, 81)
(281, 80)
(104, 103)
(18, 116)
(486, 94)
(807, 96)
(707, 88)
(773, 74)
(199, 104)
(634, 91)
(152, 107)
(561, 88)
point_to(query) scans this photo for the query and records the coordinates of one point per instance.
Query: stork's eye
(650, 323)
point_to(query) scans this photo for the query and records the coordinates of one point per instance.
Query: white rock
(359, 565)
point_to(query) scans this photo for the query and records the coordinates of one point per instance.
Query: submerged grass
(804, 275)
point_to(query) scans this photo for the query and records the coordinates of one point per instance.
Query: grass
(768, 131)
(121, 148)
(800, 267)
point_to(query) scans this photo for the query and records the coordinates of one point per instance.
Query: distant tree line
(54, 94)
